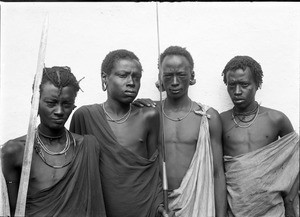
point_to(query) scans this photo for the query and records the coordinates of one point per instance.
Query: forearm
(220, 195)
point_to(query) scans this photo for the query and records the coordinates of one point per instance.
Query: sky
(81, 34)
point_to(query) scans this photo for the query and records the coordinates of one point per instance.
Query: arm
(215, 129)
(11, 159)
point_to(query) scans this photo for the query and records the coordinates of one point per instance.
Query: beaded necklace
(41, 146)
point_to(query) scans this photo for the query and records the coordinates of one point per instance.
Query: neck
(253, 105)
(116, 107)
(178, 104)
(52, 134)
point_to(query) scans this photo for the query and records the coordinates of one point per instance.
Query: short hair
(113, 56)
(59, 76)
(177, 50)
(242, 62)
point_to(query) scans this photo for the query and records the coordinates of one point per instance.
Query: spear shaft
(28, 149)
(164, 169)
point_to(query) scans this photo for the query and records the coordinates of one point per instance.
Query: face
(55, 107)
(241, 88)
(176, 76)
(123, 83)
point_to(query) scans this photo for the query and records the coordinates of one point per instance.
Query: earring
(104, 86)
(192, 81)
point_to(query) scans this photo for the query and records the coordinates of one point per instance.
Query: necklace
(246, 113)
(179, 118)
(44, 147)
(41, 154)
(120, 120)
(245, 126)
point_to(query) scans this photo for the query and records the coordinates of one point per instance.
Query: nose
(59, 110)
(130, 81)
(237, 90)
(175, 80)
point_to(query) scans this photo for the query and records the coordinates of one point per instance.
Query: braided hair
(59, 76)
(176, 50)
(114, 56)
(242, 62)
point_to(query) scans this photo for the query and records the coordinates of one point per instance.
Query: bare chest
(183, 132)
(238, 140)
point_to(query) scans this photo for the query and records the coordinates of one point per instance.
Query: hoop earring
(104, 86)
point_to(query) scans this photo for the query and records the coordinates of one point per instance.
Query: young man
(260, 168)
(192, 139)
(129, 139)
(64, 176)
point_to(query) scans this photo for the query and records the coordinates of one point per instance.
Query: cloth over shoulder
(131, 183)
(256, 180)
(195, 196)
(78, 193)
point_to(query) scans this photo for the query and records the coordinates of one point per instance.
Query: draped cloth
(195, 195)
(257, 180)
(131, 183)
(78, 193)
(4, 202)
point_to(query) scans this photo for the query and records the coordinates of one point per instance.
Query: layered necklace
(41, 148)
(120, 120)
(178, 118)
(241, 116)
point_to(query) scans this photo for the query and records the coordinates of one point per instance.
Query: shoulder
(147, 112)
(279, 119)
(14, 148)
(273, 114)
(85, 108)
(226, 115)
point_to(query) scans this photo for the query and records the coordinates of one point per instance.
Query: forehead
(175, 61)
(51, 91)
(240, 74)
(127, 65)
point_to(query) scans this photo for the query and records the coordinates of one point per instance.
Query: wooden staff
(164, 169)
(27, 158)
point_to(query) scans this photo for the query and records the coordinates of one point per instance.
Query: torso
(134, 133)
(43, 176)
(264, 130)
(180, 139)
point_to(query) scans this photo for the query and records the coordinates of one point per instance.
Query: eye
(50, 103)
(245, 85)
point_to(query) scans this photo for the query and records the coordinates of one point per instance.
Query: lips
(130, 92)
(238, 100)
(174, 91)
(59, 121)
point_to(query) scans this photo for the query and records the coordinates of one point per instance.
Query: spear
(164, 169)
(27, 158)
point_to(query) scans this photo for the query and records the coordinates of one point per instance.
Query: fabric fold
(78, 193)
(257, 180)
(195, 196)
(131, 183)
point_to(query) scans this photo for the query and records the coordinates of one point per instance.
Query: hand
(289, 210)
(164, 213)
(144, 102)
